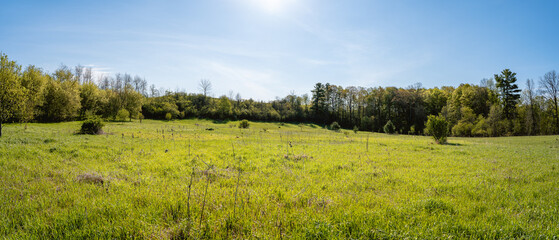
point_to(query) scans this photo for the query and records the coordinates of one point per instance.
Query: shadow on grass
(453, 144)
(312, 125)
(220, 121)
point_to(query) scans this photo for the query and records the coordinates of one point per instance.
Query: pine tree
(318, 105)
(509, 92)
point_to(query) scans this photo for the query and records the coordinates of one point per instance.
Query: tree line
(495, 107)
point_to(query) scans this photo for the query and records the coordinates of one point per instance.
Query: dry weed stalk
(207, 173)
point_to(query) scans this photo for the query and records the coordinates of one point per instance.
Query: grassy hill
(199, 179)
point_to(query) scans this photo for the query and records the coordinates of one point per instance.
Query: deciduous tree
(11, 91)
(205, 86)
(529, 97)
(62, 96)
(550, 87)
(33, 82)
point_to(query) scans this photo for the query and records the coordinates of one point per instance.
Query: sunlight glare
(272, 6)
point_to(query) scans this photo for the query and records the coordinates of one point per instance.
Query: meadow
(198, 179)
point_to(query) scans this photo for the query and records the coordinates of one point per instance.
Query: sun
(272, 6)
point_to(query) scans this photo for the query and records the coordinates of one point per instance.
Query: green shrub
(168, 116)
(244, 124)
(92, 126)
(412, 130)
(335, 126)
(462, 129)
(122, 115)
(480, 129)
(437, 126)
(389, 127)
(141, 117)
(355, 129)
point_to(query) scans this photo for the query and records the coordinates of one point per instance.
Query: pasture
(199, 179)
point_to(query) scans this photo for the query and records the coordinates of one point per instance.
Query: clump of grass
(437, 206)
(90, 178)
(297, 158)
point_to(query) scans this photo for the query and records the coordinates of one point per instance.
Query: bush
(92, 126)
(355, 129)
(480, 129)
(437, 126)
(389, 127)
(462, 129)
(244, 124)
(412, 130)
(122, 115)
(335, 126)
(141, 117)
(168, 116)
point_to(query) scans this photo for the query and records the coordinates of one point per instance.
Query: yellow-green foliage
(92, 126)
(389, 127)
(437, 127)
(290, 181)
(122, 115)
(244, 124)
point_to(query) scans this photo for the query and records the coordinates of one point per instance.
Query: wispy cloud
(258, 84)
(99, 71)
(318, 62)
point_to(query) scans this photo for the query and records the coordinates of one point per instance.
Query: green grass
(281, 182)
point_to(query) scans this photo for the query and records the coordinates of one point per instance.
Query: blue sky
(268, 48)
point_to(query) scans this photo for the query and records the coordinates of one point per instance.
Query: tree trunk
(534, 131)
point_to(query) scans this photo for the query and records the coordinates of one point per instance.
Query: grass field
(161, 180)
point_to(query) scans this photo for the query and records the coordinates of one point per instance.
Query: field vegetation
(495, 107)
(201, 179)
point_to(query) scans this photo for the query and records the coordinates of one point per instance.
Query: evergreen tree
(509, 92)
(318, 106)
(437, 126)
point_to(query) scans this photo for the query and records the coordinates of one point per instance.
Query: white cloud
(318, 62)
(99, 71)
(252, 83)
